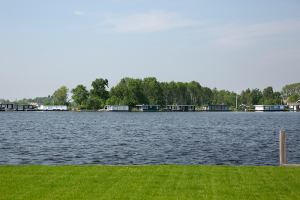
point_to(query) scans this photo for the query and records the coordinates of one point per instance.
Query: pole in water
(282, 147)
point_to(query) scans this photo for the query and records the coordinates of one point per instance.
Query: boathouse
(148, 108)
(269, 107)
(6, 106)
(293, 106)
(24, 107)
(115, 108)
(209, 107)
(182, 108)
(52, 107)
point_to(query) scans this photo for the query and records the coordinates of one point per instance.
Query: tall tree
(135, 93)
(293, 98)
(152, 91)
(268, 93)
(256, 96)
(194, 89)
(61, 94)
(288, 90)
(206, 95)
(215, 96)
(94, 102)
(99, 88)
(80, 94)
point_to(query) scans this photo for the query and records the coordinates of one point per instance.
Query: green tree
(288, 90)
(80, 94)
(152, 91)
(94, 103)
(230, 98)
(268, 93)
(293, 98)
(135, 93)
(206, 95)
(215, 96)
(99, 88)
(194, 89)
(246, 97)
(61, 94)
(256, 96)
(277, 97)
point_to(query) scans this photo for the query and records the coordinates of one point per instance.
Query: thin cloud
(234, 35)
(152, 21)
(78, 13)
(282, 56)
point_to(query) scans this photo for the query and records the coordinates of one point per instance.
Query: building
(246, 106)
(52, 107)
(6, 106)
(293, 106)
(180, 108)
(115, 108)
(25, 107)
(209, 107)
(148, 108)
(269, 107)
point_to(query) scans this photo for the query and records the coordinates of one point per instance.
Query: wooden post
(282, 148)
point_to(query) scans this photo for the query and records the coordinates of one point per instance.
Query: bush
(81, 107)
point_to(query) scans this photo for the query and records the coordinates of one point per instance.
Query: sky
(231, 45)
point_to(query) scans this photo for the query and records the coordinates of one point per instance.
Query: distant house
(209, 107)
(24, 107)
(148, 108)
(269, 107)
(247, 106)
(293, 106)
(181, 108)
(52, 107)
(6, 106)
(115, 108)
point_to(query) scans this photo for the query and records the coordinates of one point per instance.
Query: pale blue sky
(223, 44)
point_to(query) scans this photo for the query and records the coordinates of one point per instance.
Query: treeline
(149, 91)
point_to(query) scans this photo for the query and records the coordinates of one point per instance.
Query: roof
(180, 105)
(116, 105)
(146, 105)
(293, 104)
(214, 105)
(269, 105)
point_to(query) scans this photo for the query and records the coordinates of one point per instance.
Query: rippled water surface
(103, 138)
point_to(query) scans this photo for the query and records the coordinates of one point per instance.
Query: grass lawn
(149, 182)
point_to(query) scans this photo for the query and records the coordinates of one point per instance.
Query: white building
(52, 107)
(269, 107)
(115, 108)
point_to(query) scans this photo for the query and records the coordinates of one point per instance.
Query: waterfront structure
(115, 108)
(269, 107)
(24, 107)
(293, 106)
(182, 108)
(53, 107)
(246, 106)
(6, 106)
(209, 107)
(148, 108)
(16, 107)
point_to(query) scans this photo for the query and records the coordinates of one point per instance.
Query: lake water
(111, 138)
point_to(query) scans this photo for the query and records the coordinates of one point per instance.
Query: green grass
(149, 182)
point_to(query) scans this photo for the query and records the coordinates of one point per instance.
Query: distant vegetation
(130, 91)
